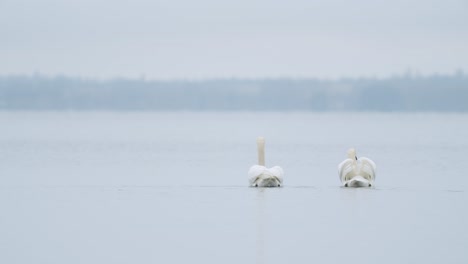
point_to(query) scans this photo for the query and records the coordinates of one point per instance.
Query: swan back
(261, 176)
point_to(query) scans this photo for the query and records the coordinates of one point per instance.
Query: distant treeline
(402, 93)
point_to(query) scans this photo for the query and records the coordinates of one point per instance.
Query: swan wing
(278, 172)
(367, 168)
(254, 172)
(346, 169)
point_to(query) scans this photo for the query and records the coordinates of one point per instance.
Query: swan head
(260, 140)
(352, 154)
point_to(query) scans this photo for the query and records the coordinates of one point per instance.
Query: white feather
(357, 173)
(261, 176)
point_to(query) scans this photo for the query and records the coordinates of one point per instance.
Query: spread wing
(367, 168)
(346, 170)
(254, 172)
(278, 172)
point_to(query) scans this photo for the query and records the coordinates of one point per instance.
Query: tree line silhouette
(400, 93)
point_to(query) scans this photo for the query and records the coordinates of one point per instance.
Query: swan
(356, 172)
(261, 176)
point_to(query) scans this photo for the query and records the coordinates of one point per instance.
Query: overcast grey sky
(165, 39)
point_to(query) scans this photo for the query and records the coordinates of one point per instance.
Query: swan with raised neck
(261, 176)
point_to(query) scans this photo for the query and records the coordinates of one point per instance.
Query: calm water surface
(172, 188)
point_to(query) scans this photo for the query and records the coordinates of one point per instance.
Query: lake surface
(97, 187)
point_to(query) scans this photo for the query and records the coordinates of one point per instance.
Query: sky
(203, 39)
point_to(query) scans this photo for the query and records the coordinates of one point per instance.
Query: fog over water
(403, 93)
(127, 129)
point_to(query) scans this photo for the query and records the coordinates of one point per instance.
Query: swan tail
(358, 181)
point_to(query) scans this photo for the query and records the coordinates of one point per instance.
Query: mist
(404, 93)
(209, 39)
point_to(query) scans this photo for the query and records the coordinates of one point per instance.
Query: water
(102, 187)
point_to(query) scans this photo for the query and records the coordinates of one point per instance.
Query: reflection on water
(261, 225)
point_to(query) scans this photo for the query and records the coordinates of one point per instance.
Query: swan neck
(261, 151)
(352, 154)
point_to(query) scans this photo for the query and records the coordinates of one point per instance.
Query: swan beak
(355, 157)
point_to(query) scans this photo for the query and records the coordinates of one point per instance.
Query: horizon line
(405, 74)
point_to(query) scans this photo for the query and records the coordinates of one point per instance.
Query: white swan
(261, 176)
(356, 172)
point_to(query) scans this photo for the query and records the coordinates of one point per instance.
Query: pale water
(172, 188)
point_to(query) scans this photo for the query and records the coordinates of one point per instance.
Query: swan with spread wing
(356, 172)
